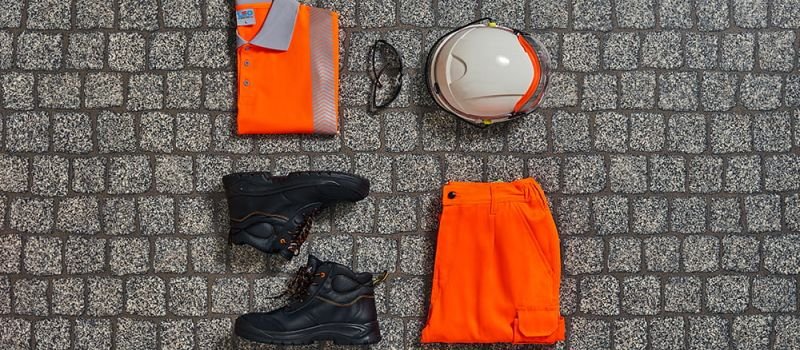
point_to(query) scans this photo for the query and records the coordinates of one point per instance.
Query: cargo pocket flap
(537, 323)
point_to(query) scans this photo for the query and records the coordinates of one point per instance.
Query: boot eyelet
(322, 275)
(283, 241)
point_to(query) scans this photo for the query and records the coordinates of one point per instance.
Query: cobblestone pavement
(668, 145)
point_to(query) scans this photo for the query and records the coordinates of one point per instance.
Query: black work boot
(274, 213)
(328, 301)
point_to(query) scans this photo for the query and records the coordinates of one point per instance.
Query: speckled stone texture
(668, 145)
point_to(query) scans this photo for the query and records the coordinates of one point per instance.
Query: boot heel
(372, 336)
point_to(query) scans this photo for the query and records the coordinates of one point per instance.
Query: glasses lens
(387, 71)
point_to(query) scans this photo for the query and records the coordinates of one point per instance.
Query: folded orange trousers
(498, 267)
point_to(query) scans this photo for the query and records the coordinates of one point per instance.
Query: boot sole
(339, 333)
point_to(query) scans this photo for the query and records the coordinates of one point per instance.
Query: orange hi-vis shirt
(288, 68)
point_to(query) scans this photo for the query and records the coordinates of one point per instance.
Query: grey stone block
(135, 334)
(647, 132)
(438, 132)
(667, 174)
(103, 90)
(743, 174)
(167, 50)
(219, 14)
(126, 52)
(53, 333)
(187, 296)
(229, 296)
(551, 14)
(774, 294)
(772, 132)
(600, 295)
(724, 215)
(145, 92)
(416, 254)
(786, 332)
(570, 132)
(776, 51)
(373, 13)
(630, 334)
(90, 14)
(580, 52)
(508, 12)
(453, 12)
(246, 259)
(129, 174)
(718, 91)
(18, 91)
(683, 294)
(676, 14)
(366, 258)
(183, 89)
(568, 293)
(401, 131)
(737, 52)
(546, 172)
(30, 297)
(620, 51)
(208, 254)
(611, 132)
(712, 15)
(12, 16)
(208, 49)
(418, 12)
(562, 91)
(610, 214)
(667, 333)
(78, 215)
(68, 296)
(599, 92)
(750, 13)
(50, 175)
(701, 51)
(84, 255)
(182, 14)
(116, 132)
(156, 215)
(219, 91)
(712, 332)
(14, 173)
(727, 293)
(39, 51)
(591, 15)
(582, 255)
(751, 332)
(700, 254)
(42, 255)
(641, 295)
(33, 215)
(209, 171)
(361, 130)
(761, 92)
(192, 132)
(377, 169)
(686, 133)
(636, 14)
(730, 133)
(397, 214)
(6, 50)
(688, 215)
(138, 14)
(145, 296)
(5, 295)
(637, 90)
(628, 174)
(406, 296)
(763, 213)
(785, 14)
(129, 256)
(86, 51)
(417, 173)
(195, 216)
(214, 331)
(59, 90)
(225, 137)
(584, 174)
(156, 132)
(678, 91)
(662, 253)
(792, 212)
(474, 139)
(572, 215)
(662, 50)
(72, 133)
(705, 174)
(781, 172)
(590, 334)
(104, 296)
(27, 132)
(173, 174)
(624, 254)
(177, 334)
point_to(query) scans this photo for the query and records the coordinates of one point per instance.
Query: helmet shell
(483, 72)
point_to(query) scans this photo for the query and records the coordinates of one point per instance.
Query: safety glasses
(386, 73)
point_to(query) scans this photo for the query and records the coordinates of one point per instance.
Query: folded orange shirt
(288, 68)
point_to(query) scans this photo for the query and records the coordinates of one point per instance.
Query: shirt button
(247, 83)
(451, 195)
(246, 63)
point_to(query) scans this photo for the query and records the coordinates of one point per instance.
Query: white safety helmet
(485, 73)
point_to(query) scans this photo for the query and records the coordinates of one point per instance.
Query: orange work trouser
(498, 267)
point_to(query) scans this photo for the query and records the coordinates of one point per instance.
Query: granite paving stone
(599, 92)
(737, 51)
(712, 15)
(786, 328)
(667, 333)
(580, 52)
(624, 254)
(781, 254)
(53, 333)
(564, 87)
(135, 334)
(662, 253)
(92, 334)
(761, 91)
(6, 50)
(68, 296)
(683, 294)
(551, 14)
(572, 215)
(700, 254)
(592, 15)
(751, 331)
(30, 297)
(84, 255)
(630, 333)
(129, 255)
(730, 133)
(718, 91)
(86, 51)
(599, 295)
(750, 13)
(177, 334)
(650, 215)
(688, 215)
(785, 14)
(725, 215)
(590, 334)
(712, 332)
(727, 293)
(701, 51)
(776, 51)
(126, 51)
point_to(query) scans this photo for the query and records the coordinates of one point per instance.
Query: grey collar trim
(278, 28)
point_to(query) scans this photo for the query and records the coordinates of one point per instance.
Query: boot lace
(297, 288)
(301, 234)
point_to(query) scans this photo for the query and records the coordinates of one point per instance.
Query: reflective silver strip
(278, 28)
(323, 70)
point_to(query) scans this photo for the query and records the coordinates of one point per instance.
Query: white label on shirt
(246, 17)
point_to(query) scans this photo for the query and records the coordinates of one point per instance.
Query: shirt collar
(278, 28)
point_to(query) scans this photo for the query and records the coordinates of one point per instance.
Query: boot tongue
(313, 264)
